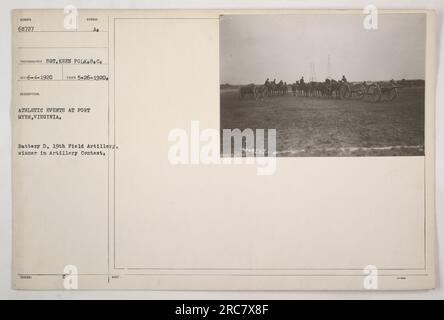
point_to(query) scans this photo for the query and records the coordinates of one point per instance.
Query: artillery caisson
(348, 90)
(389, 90)
(382, 91)
(374, 92)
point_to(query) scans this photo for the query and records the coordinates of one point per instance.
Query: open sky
(254, 47)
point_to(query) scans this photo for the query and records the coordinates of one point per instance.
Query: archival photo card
(324, 119)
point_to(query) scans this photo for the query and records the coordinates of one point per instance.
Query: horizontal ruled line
(24, 80)
(73, 31)
(62, 47)
(59, 64)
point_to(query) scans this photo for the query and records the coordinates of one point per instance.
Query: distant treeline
(409, 83)
(402, 82)
(229, 86)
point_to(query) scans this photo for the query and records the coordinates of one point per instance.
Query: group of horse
(329, 88)
(270, 88)
(342, 89)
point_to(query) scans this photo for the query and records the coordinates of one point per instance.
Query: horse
(249, 89)
(271, 87)
(316, 89)
(295, 88)
(281, 88)
(261, 92)
(303, 89)
(332, 88)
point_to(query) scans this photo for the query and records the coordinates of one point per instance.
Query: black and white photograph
(328, 84)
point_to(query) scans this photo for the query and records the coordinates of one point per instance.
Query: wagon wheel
(392, 94)
(344, 92)
(374, 93)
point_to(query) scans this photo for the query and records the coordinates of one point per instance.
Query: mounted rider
(302, 80)
(344, 79)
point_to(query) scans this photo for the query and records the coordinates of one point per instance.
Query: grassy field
(329, 127)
